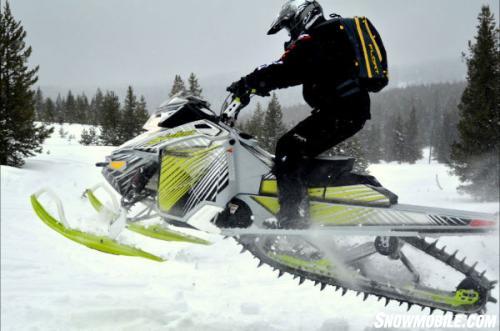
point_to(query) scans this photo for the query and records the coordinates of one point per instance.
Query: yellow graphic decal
(271, 204)
(374, 60)
(372, 37)
(361, 37)
(326, 213)
(180, 172)
(348, 194)
(170, 136)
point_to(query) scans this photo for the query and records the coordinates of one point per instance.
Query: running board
(367, 230)
(445, 212)
(397, 220)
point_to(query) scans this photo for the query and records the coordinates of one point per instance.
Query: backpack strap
(348, 87)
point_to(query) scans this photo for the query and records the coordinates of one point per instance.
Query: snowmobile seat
(337, 171)
(323, 170)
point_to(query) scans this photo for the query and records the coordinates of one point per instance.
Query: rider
(321, 59)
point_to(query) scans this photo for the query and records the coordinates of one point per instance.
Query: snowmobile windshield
(165, 110)
(179, 110)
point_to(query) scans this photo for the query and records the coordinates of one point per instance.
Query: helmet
(296, 16)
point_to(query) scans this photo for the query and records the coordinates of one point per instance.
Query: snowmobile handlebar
(230, 110)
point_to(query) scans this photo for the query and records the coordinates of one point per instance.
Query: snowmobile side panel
(189, 175)
(100, 243)
(349, 194)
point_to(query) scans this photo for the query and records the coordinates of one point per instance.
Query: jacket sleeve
(291, 69)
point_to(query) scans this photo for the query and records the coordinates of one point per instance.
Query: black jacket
(323, 62)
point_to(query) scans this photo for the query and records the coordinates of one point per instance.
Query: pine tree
(475, 157)
(413, 150)
(371, 142)
(49, 113)
(39, 105)
(96, 108)
(141, 115)
(273, 127)
(19, 136)
(447, 136)
(82, 109)
(70, 108)
(194, 87)
(178, 87)
(60, 116)
(111, 119)
(255, 123)
(387, 139)
(128, 123)
(398, 140)
(89, 137)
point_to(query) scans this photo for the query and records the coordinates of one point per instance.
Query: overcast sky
(114, 42)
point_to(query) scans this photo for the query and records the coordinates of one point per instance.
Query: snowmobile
(194, 169)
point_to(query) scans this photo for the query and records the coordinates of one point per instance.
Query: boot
(291, 217)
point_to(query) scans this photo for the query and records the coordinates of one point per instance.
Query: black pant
(311, 137)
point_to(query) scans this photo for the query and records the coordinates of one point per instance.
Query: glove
(239, 88)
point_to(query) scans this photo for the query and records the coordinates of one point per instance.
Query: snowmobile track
(419, 243)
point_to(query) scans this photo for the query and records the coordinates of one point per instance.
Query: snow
(51, 283)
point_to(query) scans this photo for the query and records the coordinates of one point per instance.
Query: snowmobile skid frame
(470, 296)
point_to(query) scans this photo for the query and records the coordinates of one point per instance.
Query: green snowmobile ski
(101, 243)
(108, 244)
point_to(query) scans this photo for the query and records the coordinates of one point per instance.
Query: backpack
(370, 55)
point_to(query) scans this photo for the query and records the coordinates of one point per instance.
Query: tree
(49, 112)
(39, 105)
(194, 87)
(59, 109)
(111, 119)
(254, 125)
(397, 150)
(371, 142)
(475, 157)
(447, 135)
(141, 115)
(128, 123)
(273, 125)
(70, 108)
(95, 108)
(178, 87)
(89, 137)
(19, 136)
(82, 109)
(412, 147)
